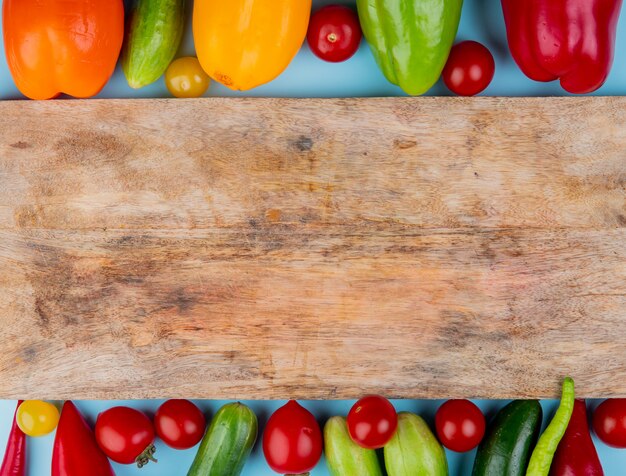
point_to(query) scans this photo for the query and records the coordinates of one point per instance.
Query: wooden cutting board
(273, 248)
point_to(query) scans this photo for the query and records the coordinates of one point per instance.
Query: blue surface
(309, 77)
(175, 463)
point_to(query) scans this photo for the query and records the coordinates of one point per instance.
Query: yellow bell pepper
(245, 43)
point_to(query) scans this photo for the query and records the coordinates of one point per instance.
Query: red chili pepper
(76, 452)
(576, 455)
(570, 40)
(14, 463)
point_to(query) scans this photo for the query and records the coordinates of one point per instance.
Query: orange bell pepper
(62, 46)
(245, 43)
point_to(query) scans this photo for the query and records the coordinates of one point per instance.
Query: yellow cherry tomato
(185, 78)
(37, 418)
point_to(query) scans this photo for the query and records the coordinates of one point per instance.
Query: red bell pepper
(576, 455)
(76, 452)
(14, 463)
(570, 40)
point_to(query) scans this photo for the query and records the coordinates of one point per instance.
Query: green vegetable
(414, 450)
(511, 436)
(227, 443)
(154, 35)
(410, 39)
(343, 456)
(541, 459)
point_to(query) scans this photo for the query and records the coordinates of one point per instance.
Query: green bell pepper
(410, 39)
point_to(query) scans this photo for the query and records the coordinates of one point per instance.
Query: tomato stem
(146, 456)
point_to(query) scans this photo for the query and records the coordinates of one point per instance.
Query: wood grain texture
(273, 248)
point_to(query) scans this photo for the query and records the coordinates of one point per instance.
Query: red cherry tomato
(470, 68)
(180, 424)
(372, 421)
(334, 33)
(460, 425)
(292, 441)
(125, 435)
(609, 422)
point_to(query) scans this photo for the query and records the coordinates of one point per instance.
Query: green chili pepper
(541, 459)
(410, 39)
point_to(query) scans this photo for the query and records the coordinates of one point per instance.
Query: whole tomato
(372, 422)
(125, 435)
(334, 33)
(185, 78)
(292, 441)
(460, 425)
(609, 422)
(470, 68)
(180, 424)
(37, 418)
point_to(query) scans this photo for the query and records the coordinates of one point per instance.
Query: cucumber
(343, 456)
(414, 450)
(510, 439)
(227, 443)
(154, 35)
